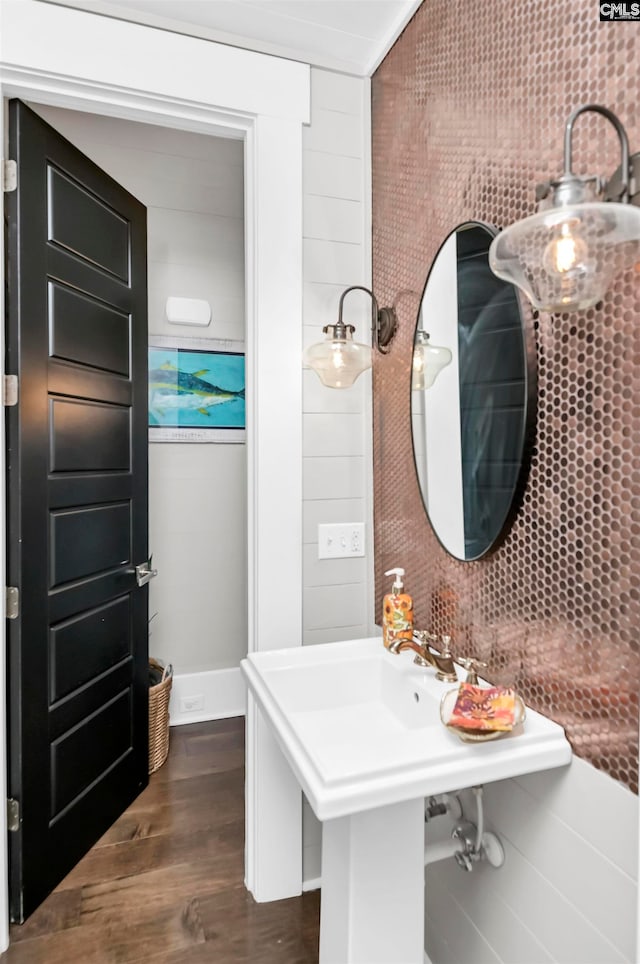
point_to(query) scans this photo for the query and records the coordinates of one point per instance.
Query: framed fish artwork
(196, 390)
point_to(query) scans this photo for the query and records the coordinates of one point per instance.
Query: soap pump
(397, 611)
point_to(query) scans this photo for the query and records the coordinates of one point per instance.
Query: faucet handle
(471, 664)
(446, 645)
(424, 636)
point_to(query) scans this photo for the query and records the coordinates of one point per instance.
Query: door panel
(77, 381)
(77, 500)
(96, 232)
(71, 662)
(86, 436)
(66, 714)
(84, 330)
(83, 754)
(87, 541)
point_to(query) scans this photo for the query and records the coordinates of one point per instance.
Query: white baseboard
(215, 695)
(314, 884)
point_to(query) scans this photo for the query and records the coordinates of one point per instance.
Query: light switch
(340, 540)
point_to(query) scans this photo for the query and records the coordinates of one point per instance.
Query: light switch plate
(340, 540)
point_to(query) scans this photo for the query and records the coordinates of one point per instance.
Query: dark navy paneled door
(77, 505)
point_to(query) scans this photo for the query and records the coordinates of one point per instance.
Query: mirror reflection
(472, 397)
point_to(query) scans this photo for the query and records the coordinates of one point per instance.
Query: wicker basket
(159, 717)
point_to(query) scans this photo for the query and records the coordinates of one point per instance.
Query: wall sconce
(428, 361)
(338, 360)
(586, 232)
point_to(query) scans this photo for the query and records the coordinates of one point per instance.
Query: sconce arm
(622, 137)
(383, 320)
(374, 303)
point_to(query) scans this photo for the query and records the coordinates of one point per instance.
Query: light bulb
(417, 374)
(567, 253)
(337, 357)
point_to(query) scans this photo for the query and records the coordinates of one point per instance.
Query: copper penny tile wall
(469, 110)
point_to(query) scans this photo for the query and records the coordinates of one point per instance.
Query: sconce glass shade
(586, 231)
(338, 360)
(564, 258)
(428, 362)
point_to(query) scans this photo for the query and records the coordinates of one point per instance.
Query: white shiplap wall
(336, 423)
(567, 892)
(337, 465)
(193, 187)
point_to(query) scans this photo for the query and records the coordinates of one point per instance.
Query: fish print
(171, 388)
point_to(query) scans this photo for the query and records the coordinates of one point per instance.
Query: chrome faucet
(426, 656)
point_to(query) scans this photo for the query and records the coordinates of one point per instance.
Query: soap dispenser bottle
(397, 611)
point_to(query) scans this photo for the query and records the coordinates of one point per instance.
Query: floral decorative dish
(479, 714)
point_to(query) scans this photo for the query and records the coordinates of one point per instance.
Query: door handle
(144, 572)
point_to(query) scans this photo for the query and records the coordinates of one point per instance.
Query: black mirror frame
(530, 420)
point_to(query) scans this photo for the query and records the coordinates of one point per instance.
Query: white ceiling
(346, 35)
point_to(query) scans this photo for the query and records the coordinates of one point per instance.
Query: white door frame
(64, 57)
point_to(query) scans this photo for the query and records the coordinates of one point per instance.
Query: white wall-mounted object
(188, 311)
(64, 57)
(340, 540)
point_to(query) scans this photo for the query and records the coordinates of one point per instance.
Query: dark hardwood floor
(165, 883)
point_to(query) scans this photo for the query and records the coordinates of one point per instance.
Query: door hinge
(10, 390)
(13, 815)
(9, 175)
(12, 602)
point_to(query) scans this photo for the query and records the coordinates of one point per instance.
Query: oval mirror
(472, 397)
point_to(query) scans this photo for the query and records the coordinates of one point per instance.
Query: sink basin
(361, 728)
(361, 731)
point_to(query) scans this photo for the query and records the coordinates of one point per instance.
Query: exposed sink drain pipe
(469, 843)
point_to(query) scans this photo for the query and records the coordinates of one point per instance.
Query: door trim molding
(58, 56)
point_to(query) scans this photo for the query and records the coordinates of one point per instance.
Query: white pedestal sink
(361, 731)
